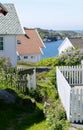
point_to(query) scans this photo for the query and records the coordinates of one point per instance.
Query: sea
(51, 49)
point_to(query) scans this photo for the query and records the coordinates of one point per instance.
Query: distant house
(30, 46)
(10, 27)
(73, 42)
(3, 10)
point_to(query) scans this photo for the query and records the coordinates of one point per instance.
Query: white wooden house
(70, 89)
(69, 43)
(10, 27)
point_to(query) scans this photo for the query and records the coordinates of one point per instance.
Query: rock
(7, 97)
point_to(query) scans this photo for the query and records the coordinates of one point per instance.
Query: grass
(18, 117)
(40, 126)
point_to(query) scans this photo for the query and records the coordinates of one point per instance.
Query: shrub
(55, 114)
(35, 94)
(5, 63)
(58, 126)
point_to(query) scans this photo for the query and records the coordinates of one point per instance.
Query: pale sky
(50, 14)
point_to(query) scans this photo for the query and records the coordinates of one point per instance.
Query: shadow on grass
(20, 115)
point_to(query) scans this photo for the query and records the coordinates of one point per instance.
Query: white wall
(9, 48)
(64, 91)
(65, 45)
(30, 58)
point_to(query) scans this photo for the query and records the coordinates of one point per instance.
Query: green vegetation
(19, 116)
(38, 109)
(70, 57)
(26, 64)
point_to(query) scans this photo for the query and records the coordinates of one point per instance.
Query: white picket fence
(70, 88)
(76, 105)
(64, 90)
(73, 74)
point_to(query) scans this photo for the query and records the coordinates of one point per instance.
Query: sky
(50, 14)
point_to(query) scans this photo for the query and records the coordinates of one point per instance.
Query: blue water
(51, 49)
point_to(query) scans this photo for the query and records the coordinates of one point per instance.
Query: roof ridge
(25, 28)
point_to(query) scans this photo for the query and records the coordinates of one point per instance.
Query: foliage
(4, 63)
(26, 64)
(55, 115)
(46, 84)
(40, 126)
(8, 78)
(35, 94)
(70, 57)
(19, 117)
(46, 92)
(48, 62)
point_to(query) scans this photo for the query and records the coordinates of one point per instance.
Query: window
(18, 42)
(32, 57)
(1, 43)
(25, 57)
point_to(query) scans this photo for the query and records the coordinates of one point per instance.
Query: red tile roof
(30, 43)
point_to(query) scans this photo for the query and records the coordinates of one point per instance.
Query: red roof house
(30, 46)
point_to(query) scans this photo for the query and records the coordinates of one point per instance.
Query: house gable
(65, 45)
(10, 24)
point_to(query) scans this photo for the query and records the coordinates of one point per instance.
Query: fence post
(34, 78)
(28, 81)
(82, 73)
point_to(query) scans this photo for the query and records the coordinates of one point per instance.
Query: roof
(31, 43)
(77, 42)
(3, 10)
(10, 24)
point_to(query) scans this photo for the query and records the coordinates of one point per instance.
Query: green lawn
(17, 117)
(40, 126)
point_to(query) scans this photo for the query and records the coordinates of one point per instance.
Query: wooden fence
(22, 79)
(76, 105)
(73, 74)
(70, 86)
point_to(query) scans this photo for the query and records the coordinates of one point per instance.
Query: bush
(70, 57)
(5, 63)
(35, 94)
(58, 126)
(55, 114)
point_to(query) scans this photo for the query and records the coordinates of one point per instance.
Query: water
(51, 49)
